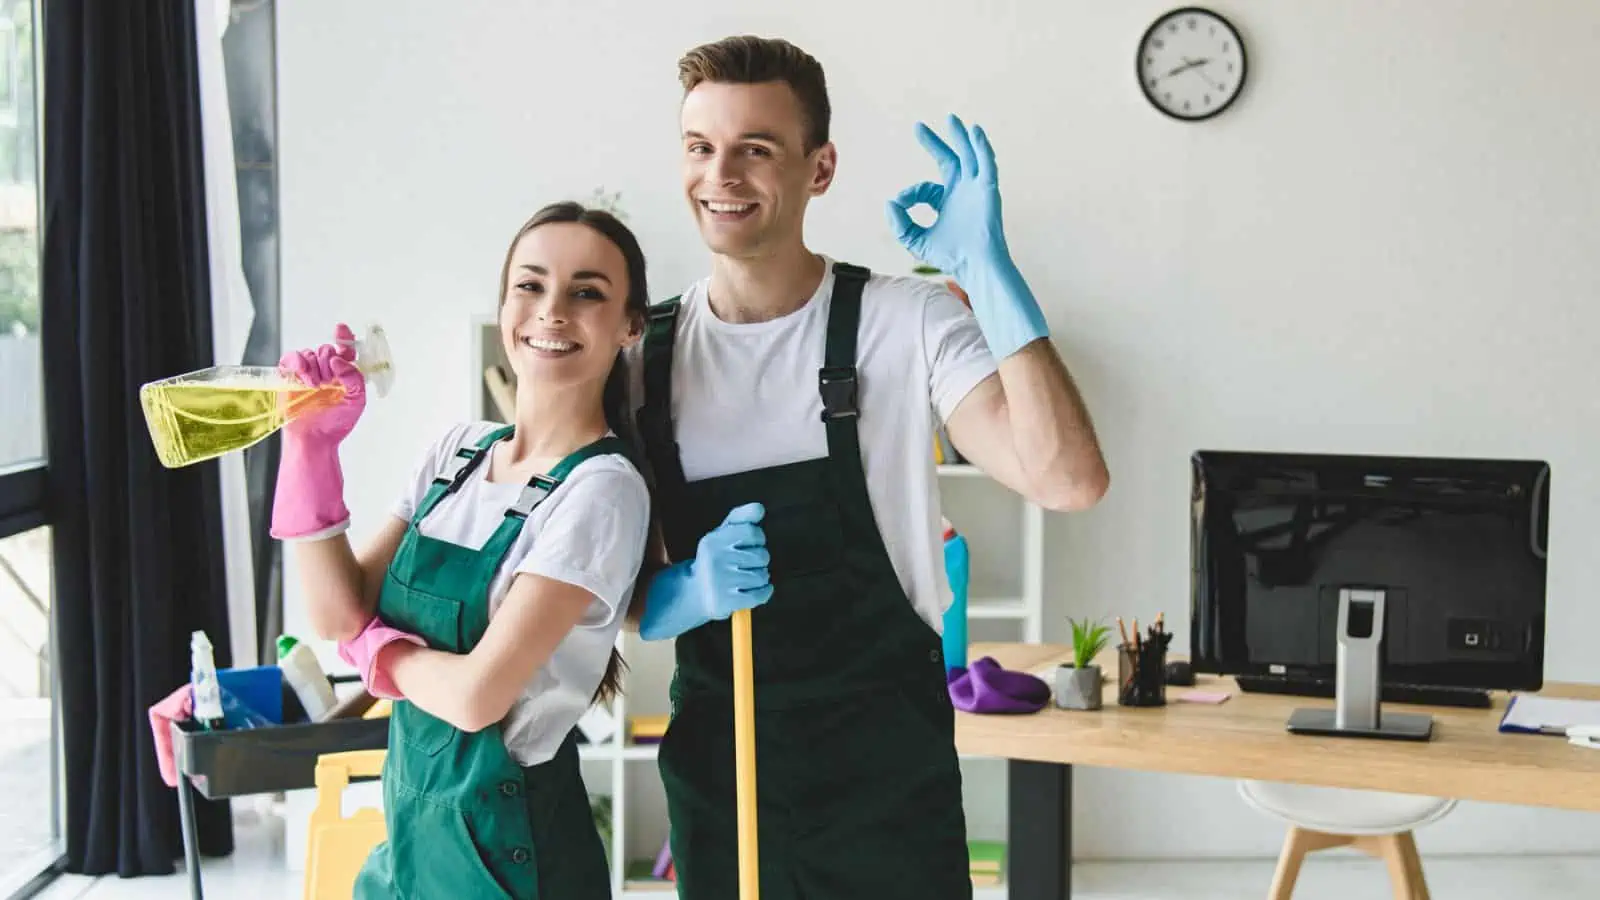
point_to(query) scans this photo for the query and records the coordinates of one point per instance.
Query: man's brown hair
(746, 59)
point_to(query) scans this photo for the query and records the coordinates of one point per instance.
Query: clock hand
(1208, 79)
(1198, 65)
(1187, 65)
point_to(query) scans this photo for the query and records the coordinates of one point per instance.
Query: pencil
(1124, 629)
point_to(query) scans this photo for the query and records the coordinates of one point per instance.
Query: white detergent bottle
(203, 682)
(304, 674)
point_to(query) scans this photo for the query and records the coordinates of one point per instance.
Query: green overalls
(464, 819)
(858, 782)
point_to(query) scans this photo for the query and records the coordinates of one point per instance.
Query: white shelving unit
(1006, 597)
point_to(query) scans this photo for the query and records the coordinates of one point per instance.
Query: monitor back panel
(1457, 545)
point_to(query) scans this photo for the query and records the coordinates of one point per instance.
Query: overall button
(933, 655)
(519, 856)
(509, 788)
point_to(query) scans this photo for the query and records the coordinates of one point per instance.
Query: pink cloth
(309, 499)
(362, 652)
(177, 707)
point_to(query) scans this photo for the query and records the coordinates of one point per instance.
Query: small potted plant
(1078, 683)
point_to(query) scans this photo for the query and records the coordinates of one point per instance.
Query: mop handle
(744, 743)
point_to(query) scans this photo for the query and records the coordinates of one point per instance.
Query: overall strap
(456, 471)
(540, 486)
(537, 489)
(838, 382)
(655, 416)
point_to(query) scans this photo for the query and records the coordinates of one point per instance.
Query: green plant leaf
(1089, 639)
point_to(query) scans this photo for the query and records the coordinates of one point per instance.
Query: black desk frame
(1039, 830)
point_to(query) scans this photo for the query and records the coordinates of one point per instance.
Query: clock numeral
(1208, 99)
(1185, 106)
(1167, 96)
(1153, 82)
(1193, 24)
(1158, 43)
(1230, 67)
(1227, 46)
(1172, 27)
(1149, 60)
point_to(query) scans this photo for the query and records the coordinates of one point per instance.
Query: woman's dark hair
(614, 398)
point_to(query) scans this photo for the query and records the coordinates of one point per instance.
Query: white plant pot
(1078, 688)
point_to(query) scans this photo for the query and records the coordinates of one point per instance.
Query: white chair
(1377, 823)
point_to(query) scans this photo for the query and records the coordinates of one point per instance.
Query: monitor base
(1390, 726)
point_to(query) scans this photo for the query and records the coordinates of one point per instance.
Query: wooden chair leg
(1405, 868)
(1399, 852)
(1296, 844)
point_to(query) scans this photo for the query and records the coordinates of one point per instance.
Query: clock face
(1191, 64)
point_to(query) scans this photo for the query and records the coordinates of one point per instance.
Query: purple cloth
(987, 688)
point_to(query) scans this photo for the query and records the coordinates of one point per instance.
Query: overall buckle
(538, 488)
(458, 468)
(840, 392)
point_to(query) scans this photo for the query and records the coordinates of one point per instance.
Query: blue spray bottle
(957, 568)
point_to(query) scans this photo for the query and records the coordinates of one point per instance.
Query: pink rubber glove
(309, 500)
(178, 706)
(362, 652)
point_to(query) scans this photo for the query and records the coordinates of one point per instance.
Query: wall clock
(1191, 64)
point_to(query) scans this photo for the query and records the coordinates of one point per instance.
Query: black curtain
(126, 300)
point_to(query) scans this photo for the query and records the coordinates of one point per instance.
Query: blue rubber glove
(728, 573)
(968, 240)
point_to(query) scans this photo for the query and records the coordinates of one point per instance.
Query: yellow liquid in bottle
(193, 421)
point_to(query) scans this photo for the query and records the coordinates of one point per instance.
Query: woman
(489, 605)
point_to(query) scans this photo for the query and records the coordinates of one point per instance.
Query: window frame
(22, 498)
(24, 506)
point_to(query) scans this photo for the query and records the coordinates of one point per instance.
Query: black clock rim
(1244, 62)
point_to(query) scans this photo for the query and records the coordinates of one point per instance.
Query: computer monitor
(1358, 576)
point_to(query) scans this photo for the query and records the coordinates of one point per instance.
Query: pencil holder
(1141, 674)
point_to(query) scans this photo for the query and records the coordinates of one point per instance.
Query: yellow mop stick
(744, 745)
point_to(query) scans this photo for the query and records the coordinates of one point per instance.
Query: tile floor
(256, 872)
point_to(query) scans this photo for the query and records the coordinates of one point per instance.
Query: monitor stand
(1357, 710)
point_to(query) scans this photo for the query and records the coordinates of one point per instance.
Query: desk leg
(191, 840)
(1039, 830)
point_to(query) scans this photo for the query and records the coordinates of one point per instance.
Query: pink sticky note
(1204, 696)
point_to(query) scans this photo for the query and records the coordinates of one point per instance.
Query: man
(787, 406)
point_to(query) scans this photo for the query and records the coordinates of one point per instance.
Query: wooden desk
(1468, 758)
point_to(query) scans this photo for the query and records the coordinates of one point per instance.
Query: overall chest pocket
(805, 537)
(439, 621)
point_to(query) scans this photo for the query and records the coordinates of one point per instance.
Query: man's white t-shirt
(744, 396)
(591, 532)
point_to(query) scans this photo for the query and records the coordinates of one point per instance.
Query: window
(30, 828)
(21, 376)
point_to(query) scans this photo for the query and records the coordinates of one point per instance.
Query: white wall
(1386, 246)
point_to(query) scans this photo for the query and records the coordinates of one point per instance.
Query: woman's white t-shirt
(590, 532)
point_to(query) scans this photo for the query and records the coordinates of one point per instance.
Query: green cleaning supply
(305, 676)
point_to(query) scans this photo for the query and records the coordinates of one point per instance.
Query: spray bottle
(203, 682)
(957, 566)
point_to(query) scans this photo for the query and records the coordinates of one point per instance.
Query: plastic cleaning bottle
(203, 414)
(306, 678)
(203, 682)
(957, 567)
